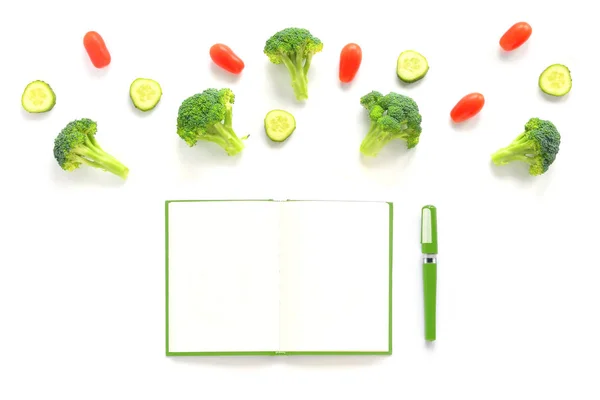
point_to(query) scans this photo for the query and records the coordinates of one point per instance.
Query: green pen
(429, 248)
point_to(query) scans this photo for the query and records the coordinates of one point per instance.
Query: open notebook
(278, 277)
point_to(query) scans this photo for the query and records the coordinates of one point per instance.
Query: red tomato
(515, 36)
(467, 107)
(350, 59)
(225, 58)
(96, 49)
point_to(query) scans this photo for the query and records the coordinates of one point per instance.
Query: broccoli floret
(209, 116)
(294, 47)
(537, 145)
(393, 116)
(76, 145)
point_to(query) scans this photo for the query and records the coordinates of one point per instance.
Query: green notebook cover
(273, 277)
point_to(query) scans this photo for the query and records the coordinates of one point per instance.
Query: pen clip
(429, 241)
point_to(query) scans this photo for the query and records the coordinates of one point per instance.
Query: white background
(82, 275)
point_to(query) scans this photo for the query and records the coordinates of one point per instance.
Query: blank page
(335, 277)
(223, 293)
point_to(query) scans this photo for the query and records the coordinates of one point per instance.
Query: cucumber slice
(279, 125)
(145, 93)
(411, 66)
(556, 80)
(38, 97)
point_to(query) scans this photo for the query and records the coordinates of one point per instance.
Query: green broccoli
(209, 116)
(393, 116)
(538, 146)
(295, 48)
(76, 145)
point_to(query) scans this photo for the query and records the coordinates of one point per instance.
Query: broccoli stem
(225, 137)
(300, 86)
(504, 157)
(229, 116)
(297, 73)
(307, 64)
(518, 150)
(374, 141)
(98, 158)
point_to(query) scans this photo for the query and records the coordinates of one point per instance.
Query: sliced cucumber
(38, 97)
(556, 80)
(145, 93)
(279, 125)
(411, 66)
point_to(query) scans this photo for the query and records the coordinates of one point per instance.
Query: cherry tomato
(225, 58)
(467, 107)
(96, 49)
(350, 59)
(515, 36)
